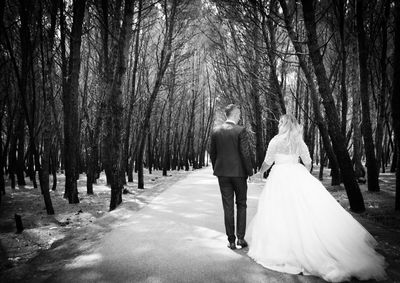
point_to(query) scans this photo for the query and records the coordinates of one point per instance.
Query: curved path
(178, 237)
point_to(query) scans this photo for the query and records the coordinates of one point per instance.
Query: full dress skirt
(300, 228)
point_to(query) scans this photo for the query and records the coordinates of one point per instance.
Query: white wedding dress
(300, 228)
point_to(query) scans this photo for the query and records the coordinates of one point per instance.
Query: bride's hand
(258, 175)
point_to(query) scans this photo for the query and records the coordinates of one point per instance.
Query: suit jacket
(230, 151)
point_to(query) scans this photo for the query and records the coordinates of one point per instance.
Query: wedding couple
(299, 228)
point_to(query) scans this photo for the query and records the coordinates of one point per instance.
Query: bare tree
(321, 123)
(115, 108)
(395, 102)
(165, 57)
(338, 140)
(372, 168)
(70, 99)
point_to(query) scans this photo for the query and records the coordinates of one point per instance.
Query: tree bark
(338, 140)
(270, 41)
(27, 51)
(255, 88)
(20, 162)
(70, 99)
(47, 71)
(167, 146)
(383, 90)
(133, 91)
(165, 57)
(366, 127)
(319, 119)
(341, 9)
(395, 102)
(115, 111)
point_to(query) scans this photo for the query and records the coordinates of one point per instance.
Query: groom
(230, 157)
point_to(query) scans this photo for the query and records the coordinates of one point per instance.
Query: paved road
(178, 237)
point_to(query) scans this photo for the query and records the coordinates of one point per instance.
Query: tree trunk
(395, 103)
(383, 90)
(341, 8)
(149, 153)
(2, 181)
(279, 102)
(47, 66)
(27, 51)
(338, 140)
(54, 166)
(321, 123)
(20, 162)
(12, 159)
(167, 146)
(255, 90)
(133, 92)
(70, 99)
(31, 162)
(165, 57)
(366, 127)
(115, 111)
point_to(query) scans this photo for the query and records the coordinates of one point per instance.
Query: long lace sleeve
(269, 156)
(305, 154)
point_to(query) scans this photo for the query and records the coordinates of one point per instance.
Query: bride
(299, 227)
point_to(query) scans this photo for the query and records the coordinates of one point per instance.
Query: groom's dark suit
(230, 157)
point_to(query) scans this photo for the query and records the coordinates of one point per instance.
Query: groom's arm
(245, 151)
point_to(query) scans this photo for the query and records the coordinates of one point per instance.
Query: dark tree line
(331, 63)
(124, 86)
(101, 85)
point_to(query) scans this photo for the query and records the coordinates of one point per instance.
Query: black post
(18, 222)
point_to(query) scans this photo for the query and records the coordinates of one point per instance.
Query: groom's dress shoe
(242, 243)
(232, 245)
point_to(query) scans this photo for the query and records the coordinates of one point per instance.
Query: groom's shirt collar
(230, 121)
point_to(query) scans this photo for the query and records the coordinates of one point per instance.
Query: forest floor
(90, 219)
(41, 231)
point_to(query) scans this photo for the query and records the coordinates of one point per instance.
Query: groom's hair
(230, 108)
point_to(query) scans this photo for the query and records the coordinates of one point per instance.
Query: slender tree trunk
(2, 151)
(167, 146)
(115, 111)
(393, 165)
(338, 140)
(47, 65)
(270, 42)
(54, 166)
(149, 148)
(2, 181)
(341, 8)
(382, 94)
(12, 159)
(395, 103)
(366, 127)
(27, 53)
(20, 162)
(165, 57)
(133, 91)
(255, 90)
(31, 162)
(321, 123)
(70, 99)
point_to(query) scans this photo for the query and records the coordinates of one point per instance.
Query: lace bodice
(279, 152)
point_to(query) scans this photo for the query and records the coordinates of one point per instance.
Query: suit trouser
(231, 187)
